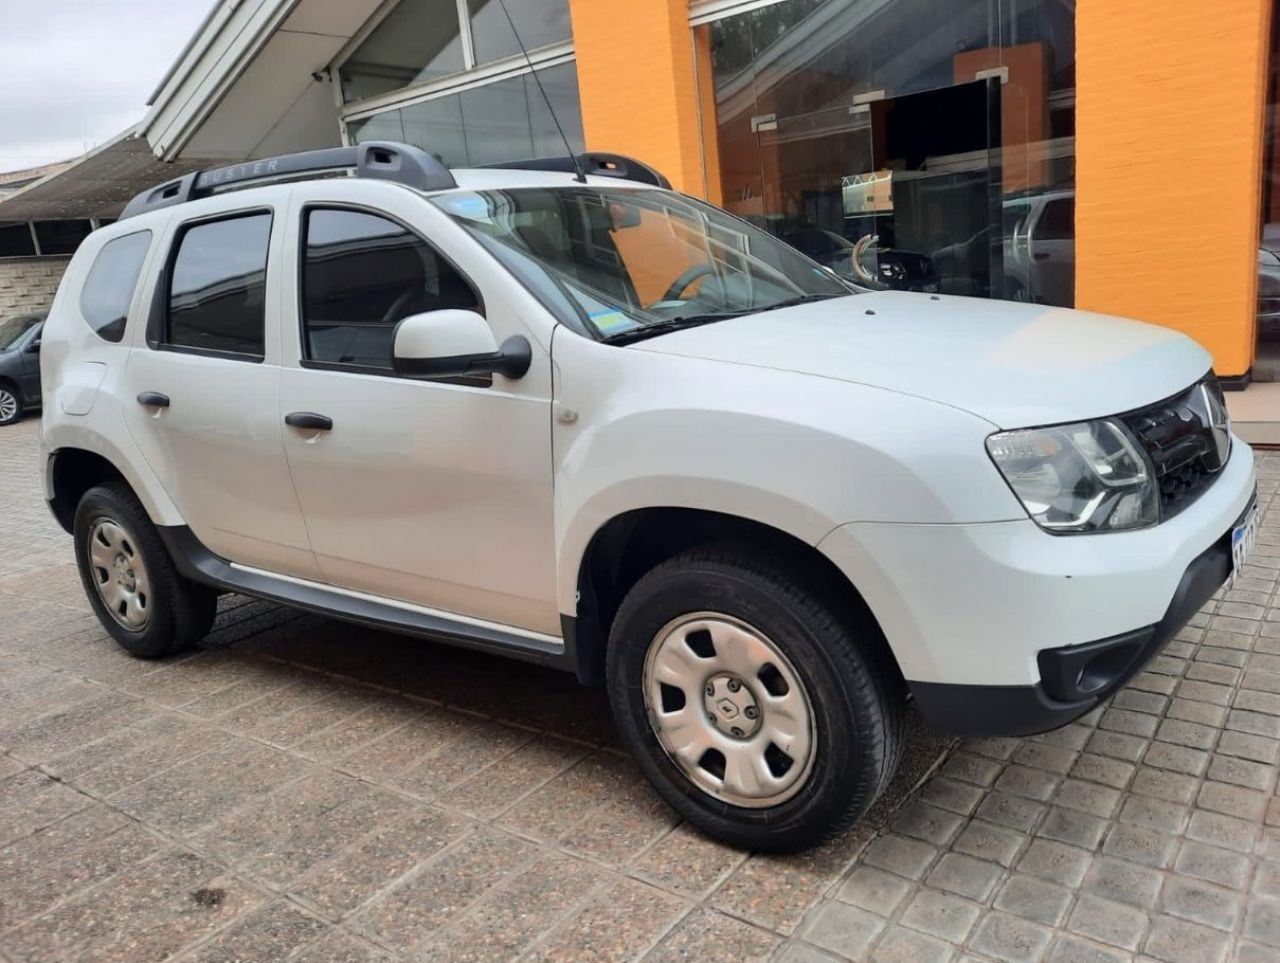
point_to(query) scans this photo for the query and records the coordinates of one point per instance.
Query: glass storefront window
(539, 23)
(907, 149)
(1266, 366)
(417, 41)
(505, 120)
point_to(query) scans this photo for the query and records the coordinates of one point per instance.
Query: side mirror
(34, 347)
(455, 344)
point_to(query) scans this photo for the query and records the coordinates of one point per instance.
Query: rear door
(203, 391)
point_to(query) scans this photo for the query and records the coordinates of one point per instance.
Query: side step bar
(199, 564)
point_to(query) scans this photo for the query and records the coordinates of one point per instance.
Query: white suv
(592, 423)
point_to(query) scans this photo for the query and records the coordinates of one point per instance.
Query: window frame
(137, 281)
(158, 322)
(364, 369)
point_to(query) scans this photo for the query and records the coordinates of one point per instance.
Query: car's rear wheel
(10, 405)
(130, 580)
(751, 701)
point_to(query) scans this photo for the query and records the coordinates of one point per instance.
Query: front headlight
(1087, 477)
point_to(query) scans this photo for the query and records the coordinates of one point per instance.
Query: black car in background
(19, 365)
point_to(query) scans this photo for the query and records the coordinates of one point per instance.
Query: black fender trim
(200, 565)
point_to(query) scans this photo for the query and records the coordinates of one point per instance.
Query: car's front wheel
(10, 405)
(751, 701)
(131, 582)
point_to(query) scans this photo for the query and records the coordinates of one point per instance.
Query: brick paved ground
(307, 791)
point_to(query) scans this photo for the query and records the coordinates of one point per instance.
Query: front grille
(1185, 448)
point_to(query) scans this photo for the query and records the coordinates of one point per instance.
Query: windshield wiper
(801, 299)
(667, 326)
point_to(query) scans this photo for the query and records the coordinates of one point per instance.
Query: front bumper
(1074, 679)
(969, 609)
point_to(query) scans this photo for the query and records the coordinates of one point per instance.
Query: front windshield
(636, 261)
(11, 329)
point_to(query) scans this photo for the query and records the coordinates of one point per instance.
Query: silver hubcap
(119, 574)
(729, 709)
(8, 405)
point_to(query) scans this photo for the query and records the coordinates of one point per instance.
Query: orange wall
(636, 83)
(1168, 166)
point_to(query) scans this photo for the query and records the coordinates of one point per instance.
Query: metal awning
(99, 184)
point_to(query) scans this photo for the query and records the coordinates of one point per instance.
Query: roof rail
(375, 159)
(593, 162)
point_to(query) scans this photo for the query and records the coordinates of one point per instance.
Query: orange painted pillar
(637, 84)
(1169, 151)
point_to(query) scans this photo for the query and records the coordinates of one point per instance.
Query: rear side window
(217, 287)
(108, 290)
(361, 274)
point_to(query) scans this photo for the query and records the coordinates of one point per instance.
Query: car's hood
(1013, 364)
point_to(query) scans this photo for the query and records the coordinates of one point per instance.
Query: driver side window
(361, 275)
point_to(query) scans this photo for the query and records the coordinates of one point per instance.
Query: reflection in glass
(418, 41)
(1266, 366)
(505, 120)
(901, 147)
(217, 287)
(538, 23)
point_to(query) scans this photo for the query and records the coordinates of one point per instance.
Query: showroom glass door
(904, 148)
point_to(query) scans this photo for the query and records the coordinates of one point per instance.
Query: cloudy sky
(74, 73)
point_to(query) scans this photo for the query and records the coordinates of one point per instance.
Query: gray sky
(74, 73)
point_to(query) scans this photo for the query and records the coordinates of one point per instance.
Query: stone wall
(27, 284)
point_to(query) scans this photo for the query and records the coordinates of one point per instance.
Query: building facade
(1101, 154)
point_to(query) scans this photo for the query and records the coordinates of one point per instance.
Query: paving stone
(1241, 772)
(1056, 862)
(1178, 941)
(1256, 723)
(1108, 922)
(1089, 797)
(1247, 746)
(900, 945)
(839, 927)
(1009, 939)
(272, 933)
(1164, 784)
(1201, 902)
(1233, 801)
(1140, 701)
(942, 915)
(954, 796)
(1237, 834)
(1129, 722)
(958, 873)
(1068, 949)
(1202, 713)
(1213, 863)
(1124, 882)
(1118, 745)
(873, 890)
(1262, 921)
(1163, 755)
(993, 843)
(1025, 781)
(928, 823)
(1140, 844)
(1039, 755)
(898, 854)
(973, 769)
(1154, 813)
(1015, 812)
(619, 923)
(1033, 899)
(1110, 772)
(1076, 828)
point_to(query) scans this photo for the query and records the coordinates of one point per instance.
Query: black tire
(11, 391)
(179, 612)
(857, 702)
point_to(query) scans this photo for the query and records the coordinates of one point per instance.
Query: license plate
(1243, 537)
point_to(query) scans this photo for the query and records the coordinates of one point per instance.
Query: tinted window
(217, 286)
(104, 302)
(61, 237)
(1058, 222)
(16, 240)
(362, 274)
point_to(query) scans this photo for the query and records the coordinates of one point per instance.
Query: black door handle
(308, 419)
(153, 399)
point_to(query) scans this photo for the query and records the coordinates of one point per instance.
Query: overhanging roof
(99, 184)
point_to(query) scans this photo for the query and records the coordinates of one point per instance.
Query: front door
(202, 398)
(429, 492)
